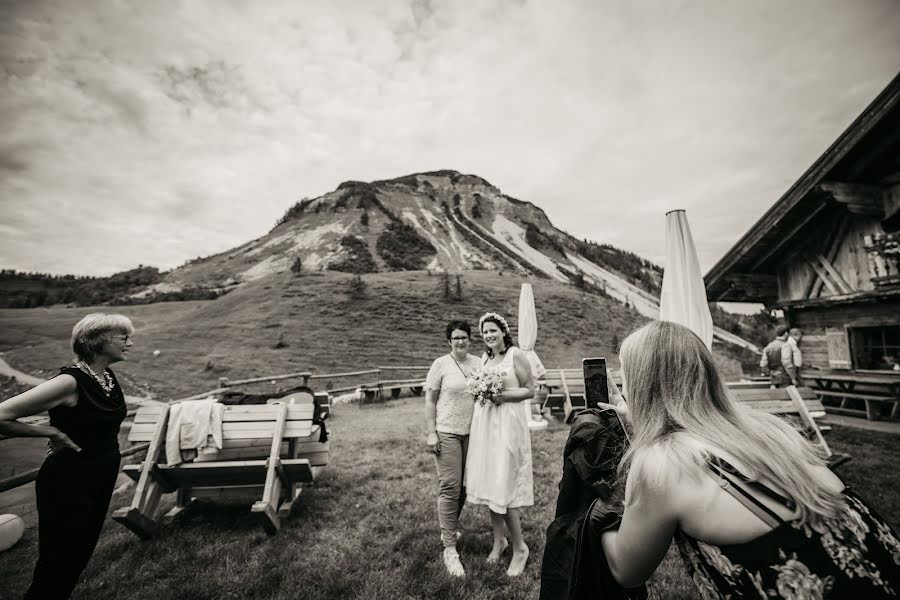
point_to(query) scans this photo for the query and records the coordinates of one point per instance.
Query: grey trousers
(451, 464)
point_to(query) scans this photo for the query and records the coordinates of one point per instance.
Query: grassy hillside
(398, 321)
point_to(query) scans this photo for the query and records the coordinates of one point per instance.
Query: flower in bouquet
(485, 385)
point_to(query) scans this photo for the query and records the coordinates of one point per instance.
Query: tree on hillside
(357, 287)
(444, 285)
(458, 291)
(297, 266)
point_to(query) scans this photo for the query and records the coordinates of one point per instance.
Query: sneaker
(451, 561)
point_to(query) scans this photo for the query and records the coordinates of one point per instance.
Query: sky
(153, 133)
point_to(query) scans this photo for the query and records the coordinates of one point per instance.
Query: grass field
(400, 321)
(368, 528)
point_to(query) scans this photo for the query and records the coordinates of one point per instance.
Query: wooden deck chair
(801, 404)
(269, 451)
(553, 401)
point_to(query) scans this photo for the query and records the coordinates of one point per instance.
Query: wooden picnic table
(874, 389)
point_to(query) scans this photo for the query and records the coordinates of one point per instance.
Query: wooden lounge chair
(268, 451)
(801, 404)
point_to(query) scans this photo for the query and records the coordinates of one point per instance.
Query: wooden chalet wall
(834, 262)
(826, 342)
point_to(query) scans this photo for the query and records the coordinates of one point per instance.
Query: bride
(498, 472)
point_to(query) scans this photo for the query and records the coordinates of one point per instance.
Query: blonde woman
(75, 483)
(751, 504)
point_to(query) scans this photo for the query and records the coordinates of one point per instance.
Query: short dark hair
(461, 325)
(781, 330)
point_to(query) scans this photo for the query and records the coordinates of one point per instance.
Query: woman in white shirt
(448, 416)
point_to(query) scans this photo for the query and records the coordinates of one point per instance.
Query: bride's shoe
(517, 564)
(494, 556)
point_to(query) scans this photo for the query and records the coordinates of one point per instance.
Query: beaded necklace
(106, 382)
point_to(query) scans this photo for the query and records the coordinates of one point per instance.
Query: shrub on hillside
(636, 270)
(357, 287)
(541, 241)
(357, 258)
(294, 212)
(189, 293)
(402, 248)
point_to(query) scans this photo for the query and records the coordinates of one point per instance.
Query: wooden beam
(832, 246)
(835, 275)
(754, 284)
(782, 240)
(858, 198)
(823, 275)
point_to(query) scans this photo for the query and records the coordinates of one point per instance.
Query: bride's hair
(507, 336)
(675, 389)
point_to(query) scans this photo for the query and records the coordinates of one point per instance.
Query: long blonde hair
(673, 387)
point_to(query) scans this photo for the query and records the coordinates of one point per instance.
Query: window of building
(876, 348)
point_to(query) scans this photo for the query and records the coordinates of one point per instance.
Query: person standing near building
(771, 359)
(791, 358)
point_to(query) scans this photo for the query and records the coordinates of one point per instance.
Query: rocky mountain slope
(436, 221)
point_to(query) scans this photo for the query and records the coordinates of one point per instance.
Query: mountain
(439, 221)
(436, 221)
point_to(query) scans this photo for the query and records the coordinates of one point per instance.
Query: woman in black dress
(75, 483)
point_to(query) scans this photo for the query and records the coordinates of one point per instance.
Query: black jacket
(591, 456)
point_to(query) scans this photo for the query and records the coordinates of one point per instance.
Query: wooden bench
(875, 390)
(269, 450)
(563, 391)
(800, 404)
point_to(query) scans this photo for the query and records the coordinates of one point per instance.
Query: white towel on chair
(194, 426)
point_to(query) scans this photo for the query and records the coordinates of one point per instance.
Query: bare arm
(50, 394)
(526, 382)
(431, 398)
(648, 525)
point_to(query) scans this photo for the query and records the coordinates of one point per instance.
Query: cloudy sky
(155, 132)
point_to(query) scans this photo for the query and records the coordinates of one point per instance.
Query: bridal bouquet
(485, 385)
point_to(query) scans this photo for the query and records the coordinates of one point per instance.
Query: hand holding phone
(600, 391)
(596, 388)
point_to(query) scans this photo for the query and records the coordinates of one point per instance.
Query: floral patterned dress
(854, 555)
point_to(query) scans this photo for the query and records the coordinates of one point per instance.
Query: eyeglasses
(459, 339)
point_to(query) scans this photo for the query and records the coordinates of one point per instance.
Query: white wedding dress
(498, 464)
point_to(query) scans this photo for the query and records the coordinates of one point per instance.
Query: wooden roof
(866, 154)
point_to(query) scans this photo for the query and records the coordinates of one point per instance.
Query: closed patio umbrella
(528, 327)
(683, 298)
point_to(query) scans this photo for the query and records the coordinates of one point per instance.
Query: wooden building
(828, 252)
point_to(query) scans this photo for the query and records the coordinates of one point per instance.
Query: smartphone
(595, 386)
